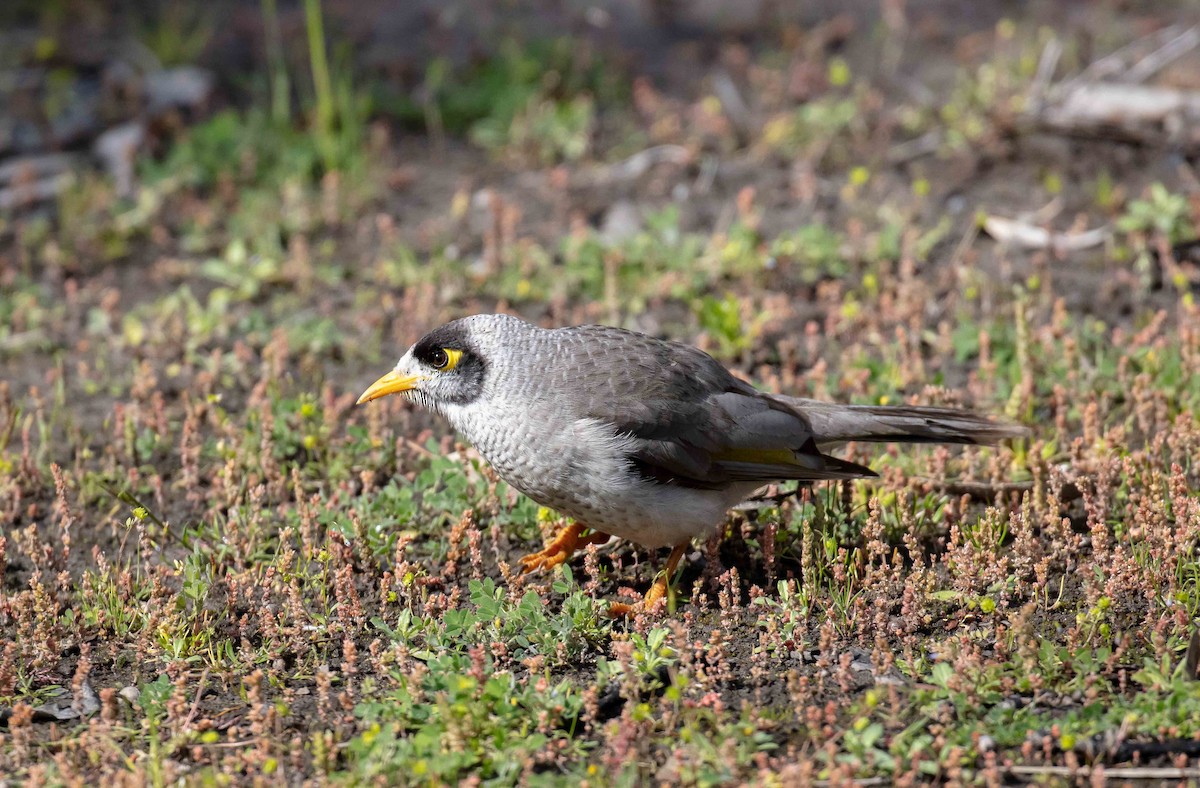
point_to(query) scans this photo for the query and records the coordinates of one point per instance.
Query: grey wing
(691, 422)
(725, 438)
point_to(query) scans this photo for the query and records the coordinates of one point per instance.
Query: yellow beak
(391, 383)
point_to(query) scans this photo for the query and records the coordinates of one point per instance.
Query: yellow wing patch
(777, 457)
(768, 457)
(759, 456)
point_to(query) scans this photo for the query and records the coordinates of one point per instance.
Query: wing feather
(688, 420)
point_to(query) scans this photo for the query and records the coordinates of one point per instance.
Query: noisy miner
(635, 437)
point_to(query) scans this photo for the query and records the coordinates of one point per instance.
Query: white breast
(579, 468)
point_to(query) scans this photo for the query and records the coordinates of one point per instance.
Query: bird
(640, 438)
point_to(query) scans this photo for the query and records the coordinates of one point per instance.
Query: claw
(561, 548)
(624, 610)
(657, 592)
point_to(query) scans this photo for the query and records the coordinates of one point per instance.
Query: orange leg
(657, 591)
(561, 548)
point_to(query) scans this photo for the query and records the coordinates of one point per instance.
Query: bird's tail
(833, 423)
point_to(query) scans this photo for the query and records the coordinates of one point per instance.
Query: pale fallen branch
(993, 491)
(732, 103)
(641, 162)
(1109, 98)
(1162, 57)
(1047, 63)
(1125, 60)
(34, 192)
(1134, 113)
(117, 148)
(30, 168)
(1114, 773)
(1047, 213)
(1014, 232)
(26, 180)
(925, 145)
(15, 343)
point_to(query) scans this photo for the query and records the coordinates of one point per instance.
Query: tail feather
(833, 424)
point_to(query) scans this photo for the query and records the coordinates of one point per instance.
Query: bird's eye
(444, 359)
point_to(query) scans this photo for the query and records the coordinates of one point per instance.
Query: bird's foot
(625, 610)
(561, 548)
(657, 591)
(619, 610)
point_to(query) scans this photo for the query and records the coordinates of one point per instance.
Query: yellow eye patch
(452, 358)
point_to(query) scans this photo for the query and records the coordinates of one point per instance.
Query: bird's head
(446, 367)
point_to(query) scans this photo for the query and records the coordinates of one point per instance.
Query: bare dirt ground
(233, 574)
